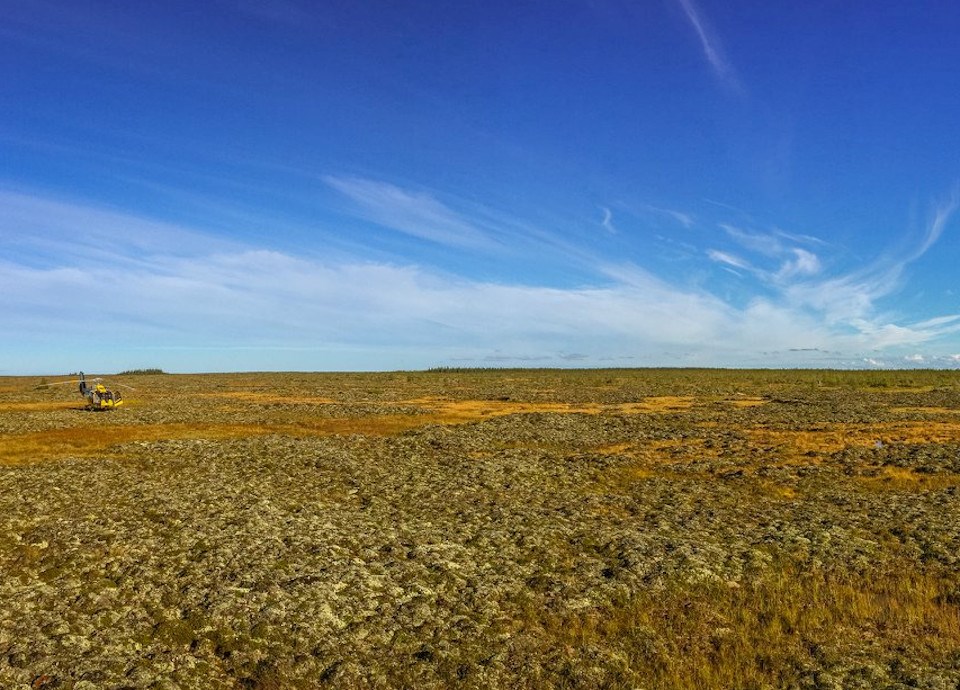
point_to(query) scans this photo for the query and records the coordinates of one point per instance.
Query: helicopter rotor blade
(73, 382)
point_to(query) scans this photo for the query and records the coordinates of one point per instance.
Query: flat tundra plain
(483, 529)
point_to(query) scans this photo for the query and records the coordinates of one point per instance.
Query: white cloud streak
(417, 214)
(845, 304)
(44, 230)
(851, 298)
(684, 219)
(941, 215)
(607, 222)
(712, 47)
(728, 259)
(766, 244)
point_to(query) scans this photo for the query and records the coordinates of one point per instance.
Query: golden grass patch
(635, 473)
(466, 410)
(16, 449)
(659, 459)
(924, 410)
(760, 633)
(40, 406)
(834, 437)
(746, 402)
(776, 490)
(658, 403)
(800, 442)
(627, 448)
(457, 411)
(662, 450)
(267, 398)
(92, 441)
(905, 479)
(474, 409)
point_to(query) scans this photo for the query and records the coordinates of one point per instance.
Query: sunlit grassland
(753, 451)
(764, 633)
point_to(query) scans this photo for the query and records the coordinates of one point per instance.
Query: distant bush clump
(141, 371)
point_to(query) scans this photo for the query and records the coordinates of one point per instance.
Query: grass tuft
(764, 633)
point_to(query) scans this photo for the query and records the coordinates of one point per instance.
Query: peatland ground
(651, 529)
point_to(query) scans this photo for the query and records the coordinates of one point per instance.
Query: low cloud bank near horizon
(147, 285)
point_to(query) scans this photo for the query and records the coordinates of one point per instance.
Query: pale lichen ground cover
(652, 529)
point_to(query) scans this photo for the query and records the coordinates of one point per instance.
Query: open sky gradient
(293, 185)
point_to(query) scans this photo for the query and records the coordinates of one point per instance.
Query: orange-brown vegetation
(829, 438)
(762, 633)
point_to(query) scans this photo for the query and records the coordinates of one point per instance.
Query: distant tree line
(469, 370)
(141, 372)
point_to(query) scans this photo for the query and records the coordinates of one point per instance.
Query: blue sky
(285, 185)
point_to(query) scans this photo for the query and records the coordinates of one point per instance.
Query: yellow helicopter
(97, 395)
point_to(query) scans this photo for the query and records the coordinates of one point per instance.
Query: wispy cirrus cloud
(852, 297)
(792, 262)
(417, 214)
(802, 263)
(42, 230)
(767, 244)
(845, 303)
(712, 47)
(685, 219)
(168, 289)
(728, 259)
(607, 222)
(942, 213)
